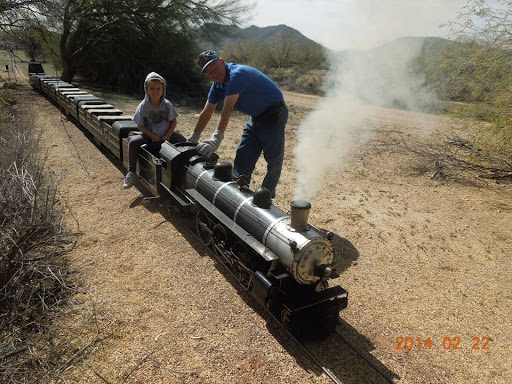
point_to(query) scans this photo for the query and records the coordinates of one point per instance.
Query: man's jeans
(264, 133)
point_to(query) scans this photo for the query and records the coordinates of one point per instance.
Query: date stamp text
(447, 343)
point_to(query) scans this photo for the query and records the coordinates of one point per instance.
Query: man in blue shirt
(249, 91)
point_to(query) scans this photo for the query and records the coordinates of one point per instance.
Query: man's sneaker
(129, 180)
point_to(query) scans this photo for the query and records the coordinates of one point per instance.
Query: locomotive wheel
(243, 264)
(204, 227)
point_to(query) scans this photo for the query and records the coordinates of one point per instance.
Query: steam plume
(359, 80)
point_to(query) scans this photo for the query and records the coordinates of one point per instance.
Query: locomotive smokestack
(299, 214)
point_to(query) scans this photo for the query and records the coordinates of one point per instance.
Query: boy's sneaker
(129, 180)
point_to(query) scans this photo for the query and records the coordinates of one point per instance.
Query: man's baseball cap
(206, 58)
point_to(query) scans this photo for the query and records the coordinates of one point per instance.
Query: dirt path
(420, 259)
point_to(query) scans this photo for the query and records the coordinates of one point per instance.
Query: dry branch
(454, 155)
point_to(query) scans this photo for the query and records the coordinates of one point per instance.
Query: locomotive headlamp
(324, 271)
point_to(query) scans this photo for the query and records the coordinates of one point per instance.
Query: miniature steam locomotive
(282, 260)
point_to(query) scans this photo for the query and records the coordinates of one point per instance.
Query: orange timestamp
(449, 343)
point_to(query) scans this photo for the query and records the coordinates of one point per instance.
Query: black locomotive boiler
(282, 260)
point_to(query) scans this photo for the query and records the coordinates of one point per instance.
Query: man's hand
(208, 147)
(193, 138)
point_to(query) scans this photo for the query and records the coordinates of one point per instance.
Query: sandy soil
(421, 258)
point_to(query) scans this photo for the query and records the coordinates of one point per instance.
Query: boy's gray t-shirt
(155, 119)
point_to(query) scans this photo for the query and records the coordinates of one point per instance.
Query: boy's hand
(208, 147)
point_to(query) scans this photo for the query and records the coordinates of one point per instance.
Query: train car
(51, 87)
(35, 73)
(286, 263)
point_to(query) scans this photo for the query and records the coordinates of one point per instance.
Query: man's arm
(204, 118)
(209, 146)
(227, 111)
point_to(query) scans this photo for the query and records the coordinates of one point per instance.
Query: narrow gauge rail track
(379, 371)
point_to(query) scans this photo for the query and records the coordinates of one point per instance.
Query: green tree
(15, 13)
(290, 62)
(113, 39)
(278, 51)
(482, 65)
(245, 52)
(285, 50)
(16, 20)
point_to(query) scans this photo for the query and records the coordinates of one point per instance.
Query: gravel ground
(421, 258)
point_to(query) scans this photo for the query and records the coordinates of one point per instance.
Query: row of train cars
(109, 126)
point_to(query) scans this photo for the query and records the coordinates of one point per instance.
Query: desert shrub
(309, 83)
(33, 271)
(291, 79)
(7, 97)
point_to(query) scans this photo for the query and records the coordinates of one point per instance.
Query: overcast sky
(352, 24)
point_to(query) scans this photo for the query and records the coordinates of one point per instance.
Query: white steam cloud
(358, 81)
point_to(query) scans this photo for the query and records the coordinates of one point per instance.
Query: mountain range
(231, 34)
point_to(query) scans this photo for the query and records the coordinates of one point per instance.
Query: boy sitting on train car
(156, 118)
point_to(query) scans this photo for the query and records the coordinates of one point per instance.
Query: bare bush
(34, 278)
(453, 156)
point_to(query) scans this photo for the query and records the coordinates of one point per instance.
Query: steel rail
(372, 364)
